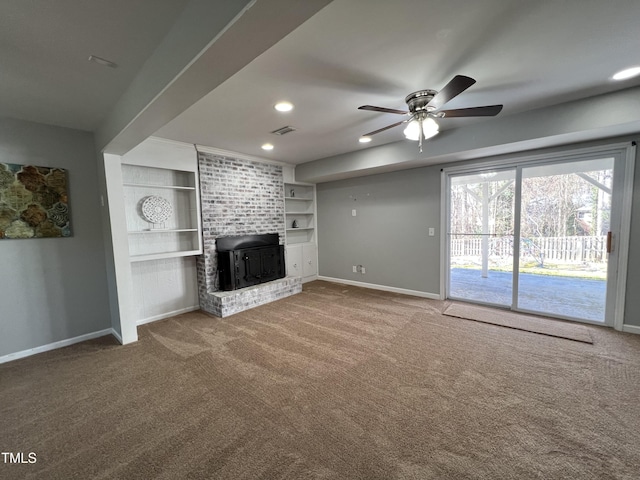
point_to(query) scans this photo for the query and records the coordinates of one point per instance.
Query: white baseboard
(117, 335)
(53, 346)
(631, 329)
(162, 316)
(404, 291)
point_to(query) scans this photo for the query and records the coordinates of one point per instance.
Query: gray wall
(54, 288)
(632, 299)
(388, 235)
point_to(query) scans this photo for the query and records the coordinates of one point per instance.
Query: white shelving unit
(300, 215)
(299, 201)
(178, 236)
(170, 187)
(155, 271)
(166, 230)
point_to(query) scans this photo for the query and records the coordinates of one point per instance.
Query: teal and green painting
(33, 202)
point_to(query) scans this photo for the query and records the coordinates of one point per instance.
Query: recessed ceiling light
(102, 61)
(284, 106)
(267, 146)
(627, 73)
(364, 139)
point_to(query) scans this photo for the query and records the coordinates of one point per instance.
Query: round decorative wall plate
(156, 209)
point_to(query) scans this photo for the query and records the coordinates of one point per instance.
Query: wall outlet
(362, 270)
(355, 269)
(353, 212)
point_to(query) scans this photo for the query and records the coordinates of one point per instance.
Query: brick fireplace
(239, 197)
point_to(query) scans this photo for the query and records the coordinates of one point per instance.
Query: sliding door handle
(609, 241)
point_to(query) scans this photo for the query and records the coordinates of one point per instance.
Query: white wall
(164, 288)
(53, 289)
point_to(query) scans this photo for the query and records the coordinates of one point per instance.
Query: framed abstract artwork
(33, 202)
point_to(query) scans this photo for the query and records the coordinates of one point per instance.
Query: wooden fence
(562, 249)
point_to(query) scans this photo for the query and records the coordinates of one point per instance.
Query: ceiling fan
(425, 105)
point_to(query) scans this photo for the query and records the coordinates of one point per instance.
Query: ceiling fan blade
(455, 87)
(384, 128)
(488, 111)
(382, 109)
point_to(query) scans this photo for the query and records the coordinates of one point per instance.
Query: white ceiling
(524, 54)
(44, 47)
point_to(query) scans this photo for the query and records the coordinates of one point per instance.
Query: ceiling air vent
(283, 130)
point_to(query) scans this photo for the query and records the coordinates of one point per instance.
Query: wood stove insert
(249, 260)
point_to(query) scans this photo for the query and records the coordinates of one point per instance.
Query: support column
(485, 229)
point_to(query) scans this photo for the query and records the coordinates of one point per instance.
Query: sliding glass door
(536, 237)
(481, 237)
(565, 214)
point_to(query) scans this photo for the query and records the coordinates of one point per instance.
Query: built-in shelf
(299, 199)
(300, 209)
(165, 230)
(169, 187)
(159, 256)
(178, 236)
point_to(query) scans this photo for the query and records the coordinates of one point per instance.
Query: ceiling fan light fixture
(429, 129)
(412, 132)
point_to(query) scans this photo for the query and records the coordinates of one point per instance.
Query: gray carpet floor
(334, 383)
